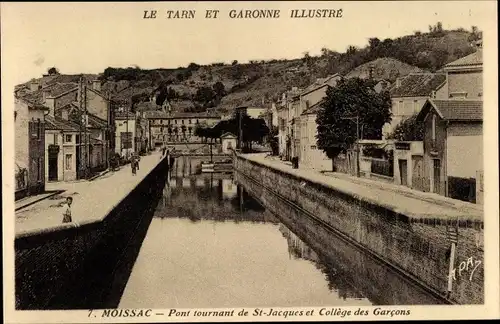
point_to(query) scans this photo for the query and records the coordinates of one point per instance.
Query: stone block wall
(417, 248)
(73, 268)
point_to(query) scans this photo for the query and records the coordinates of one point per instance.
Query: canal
(211, 244)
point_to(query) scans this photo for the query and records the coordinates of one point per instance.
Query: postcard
(247, 161)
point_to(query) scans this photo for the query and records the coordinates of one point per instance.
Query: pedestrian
(67, 212)
(133, 165)
(137, 160)
(164, 149)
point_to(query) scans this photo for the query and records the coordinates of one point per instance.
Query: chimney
(96, 85)
(34, 85)
(398, 82)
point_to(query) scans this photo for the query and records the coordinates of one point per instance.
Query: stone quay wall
(416, 248)
(74, 267)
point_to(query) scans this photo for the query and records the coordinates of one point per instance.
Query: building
(464, 77)
(409, 94)
(453, 147)
(178, 127)
(29, 147)
(62, 147)
(229, 142)
(71, 98)
(306, 127)
(126, 132)
(285, 117)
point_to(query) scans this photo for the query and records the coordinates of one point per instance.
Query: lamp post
(355, 118)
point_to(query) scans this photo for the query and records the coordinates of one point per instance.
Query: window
(68, 138)
(126, 140)
(433, 128)
(175, 121)
(189, 121)
(182, 122)
(68, 161)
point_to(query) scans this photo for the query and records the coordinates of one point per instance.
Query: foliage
(204, 95)
(253, 129)
(219, 89)
(117, 74)
(409, 129)
(53, 71)
(376, 152)
(351, 98)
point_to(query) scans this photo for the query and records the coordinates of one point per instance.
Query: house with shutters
(306, 108)
(453, 138)
(71, 103)
(29, 125)
(453, 147)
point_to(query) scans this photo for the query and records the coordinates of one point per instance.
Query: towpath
(92, 200)
(400, 199)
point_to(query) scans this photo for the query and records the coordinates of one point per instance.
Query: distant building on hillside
(177, 127)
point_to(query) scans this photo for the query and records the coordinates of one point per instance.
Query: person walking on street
(67, 212)
(132, 164)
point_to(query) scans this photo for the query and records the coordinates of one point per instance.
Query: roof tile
(475, 58)
(418, 85)
(460, 110)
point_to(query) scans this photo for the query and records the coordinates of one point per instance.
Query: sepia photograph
(249, 161)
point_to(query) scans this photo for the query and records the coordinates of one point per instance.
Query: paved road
(416, 204)
(92, 200)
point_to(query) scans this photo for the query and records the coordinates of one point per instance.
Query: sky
(88, 37)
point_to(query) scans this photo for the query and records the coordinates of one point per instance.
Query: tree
(409, 129)
(219, 89)
(234, 62)
(53, 71)
(351, 98)
(326, 52)
(204, 95)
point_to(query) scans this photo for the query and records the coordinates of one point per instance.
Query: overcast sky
(88, 37)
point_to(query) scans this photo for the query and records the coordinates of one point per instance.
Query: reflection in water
(211, 244)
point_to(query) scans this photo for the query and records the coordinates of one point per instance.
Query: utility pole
(108, 132)
(240, 132)
(87, 137)
(126, 132)
(356, 118)
(80, 117)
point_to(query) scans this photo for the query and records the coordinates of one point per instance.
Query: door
(436, 179)
(403, 172)
(52, 167)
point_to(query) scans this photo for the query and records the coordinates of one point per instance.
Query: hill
(257, 83)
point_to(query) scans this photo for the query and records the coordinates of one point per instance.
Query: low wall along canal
(415, 249)
(75, 267)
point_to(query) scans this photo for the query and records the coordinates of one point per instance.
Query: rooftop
(54, 123)
(161, 114)
(475, 58)
(454, 110)
(314, 108)
(418, 85)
